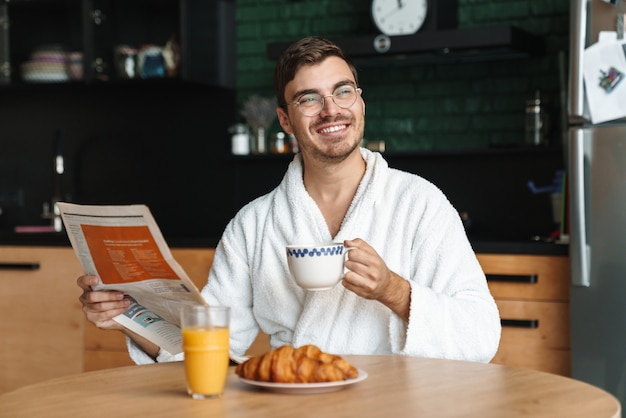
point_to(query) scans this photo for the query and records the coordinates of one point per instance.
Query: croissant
(306, 364)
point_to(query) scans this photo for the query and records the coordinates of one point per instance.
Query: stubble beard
(334, 153)
(339, 156)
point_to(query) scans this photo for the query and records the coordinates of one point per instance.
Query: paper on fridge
(124, 247)
(604, 73)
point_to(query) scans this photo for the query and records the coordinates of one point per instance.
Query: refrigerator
(596, 154)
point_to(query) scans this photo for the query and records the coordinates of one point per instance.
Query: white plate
(307, 388)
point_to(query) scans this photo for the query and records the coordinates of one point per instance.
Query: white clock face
(399, 17)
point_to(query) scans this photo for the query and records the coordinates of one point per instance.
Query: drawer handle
(19, 266)
(520, 323)
(512, 278)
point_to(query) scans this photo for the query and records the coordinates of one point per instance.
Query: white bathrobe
(414, 228)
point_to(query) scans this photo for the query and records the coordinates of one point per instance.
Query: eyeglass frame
(323, 99)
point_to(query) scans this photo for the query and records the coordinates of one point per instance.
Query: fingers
(362, 248)
(368, 274)
(100, 307)
(85, 282)
(103, 299)
(361, 254)
(90, 296)
(357, 242)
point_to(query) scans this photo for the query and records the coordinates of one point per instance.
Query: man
(414, 285)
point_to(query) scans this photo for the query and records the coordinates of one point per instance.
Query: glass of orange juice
(205, 344)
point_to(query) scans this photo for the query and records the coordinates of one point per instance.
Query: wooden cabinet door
(529, 277)
(41, 322)
(532, 294)
(544, 345)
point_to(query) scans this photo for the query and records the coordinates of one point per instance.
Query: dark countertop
(60, 239)
(520, 247)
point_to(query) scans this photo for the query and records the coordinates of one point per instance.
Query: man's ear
(283, 119)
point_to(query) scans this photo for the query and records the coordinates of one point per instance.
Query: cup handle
(345, 255)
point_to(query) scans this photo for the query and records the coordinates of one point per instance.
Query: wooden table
(396, 386)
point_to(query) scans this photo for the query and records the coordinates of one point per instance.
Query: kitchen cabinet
(87, 32)
(41, 322)
(113, 133)
(532, 294)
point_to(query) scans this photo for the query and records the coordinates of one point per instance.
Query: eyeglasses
(311, 104)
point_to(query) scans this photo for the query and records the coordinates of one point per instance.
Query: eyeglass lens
(312, 104)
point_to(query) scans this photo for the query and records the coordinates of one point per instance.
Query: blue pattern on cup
(315, 252)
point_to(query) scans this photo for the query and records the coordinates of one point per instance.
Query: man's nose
(329, 105)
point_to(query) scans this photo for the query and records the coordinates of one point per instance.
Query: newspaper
(124, 247)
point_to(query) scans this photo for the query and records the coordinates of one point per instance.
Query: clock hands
(394, 11)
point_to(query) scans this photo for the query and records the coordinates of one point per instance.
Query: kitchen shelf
(522, 150)
(93, 29)
(452, 45)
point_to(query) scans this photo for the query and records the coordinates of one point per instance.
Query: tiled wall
(427, 106)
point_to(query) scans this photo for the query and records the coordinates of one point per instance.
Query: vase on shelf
(259, 140)
(259, 113)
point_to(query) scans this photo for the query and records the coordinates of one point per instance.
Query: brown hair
(306, 51)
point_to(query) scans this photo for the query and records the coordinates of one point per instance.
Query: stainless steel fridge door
(587, 19)
(597, 187)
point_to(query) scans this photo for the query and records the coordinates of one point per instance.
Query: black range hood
(451, 45)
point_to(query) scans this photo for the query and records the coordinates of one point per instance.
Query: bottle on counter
(535, 121)
(240, 139)
(280, 144)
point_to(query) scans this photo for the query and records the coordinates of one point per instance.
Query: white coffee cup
(317, 266)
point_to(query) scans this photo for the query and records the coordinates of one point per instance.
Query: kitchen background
(453, 105)
(457, 121)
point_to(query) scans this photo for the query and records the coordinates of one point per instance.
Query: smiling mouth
(332, 129)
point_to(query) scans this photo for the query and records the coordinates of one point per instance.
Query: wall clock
(399, 17)
(406, 17)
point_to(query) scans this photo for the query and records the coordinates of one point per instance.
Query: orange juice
(206, 360)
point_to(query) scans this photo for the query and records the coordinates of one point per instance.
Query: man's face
(335, 132)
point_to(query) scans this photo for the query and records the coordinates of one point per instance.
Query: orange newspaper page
(124, 254)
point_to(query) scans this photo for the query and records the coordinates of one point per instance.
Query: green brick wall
(423, 106)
